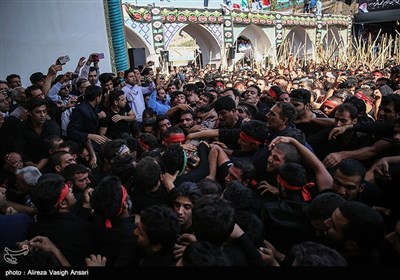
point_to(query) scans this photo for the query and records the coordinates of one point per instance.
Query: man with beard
(395, 77)
(382, 129)
(229, 124)
(355, 230)
(159, 101)
(349, 182)
(252, 95)
(31, 134)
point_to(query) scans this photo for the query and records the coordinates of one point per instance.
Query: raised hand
(96, 260)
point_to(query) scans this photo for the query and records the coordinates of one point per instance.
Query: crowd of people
(201, 166)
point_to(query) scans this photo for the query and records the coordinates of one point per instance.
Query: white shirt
(134, 97)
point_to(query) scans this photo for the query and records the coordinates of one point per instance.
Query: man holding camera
(92, 73)
(60, 91)
(60, 94)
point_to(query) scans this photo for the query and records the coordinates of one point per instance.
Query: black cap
(37, 76)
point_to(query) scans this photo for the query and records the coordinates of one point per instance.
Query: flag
(244, 4)
(236, 6)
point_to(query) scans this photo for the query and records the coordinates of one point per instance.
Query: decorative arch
(333, 40)
(136, 41)
(261, 44)
(298, 42)
(209, 46)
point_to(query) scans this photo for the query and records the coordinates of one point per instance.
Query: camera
(63, 59)
(74, 76)
(98, 56)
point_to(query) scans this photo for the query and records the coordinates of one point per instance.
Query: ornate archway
(136, 41)
(262, 47)
(209, 46)
(332, 42)
(298, 42)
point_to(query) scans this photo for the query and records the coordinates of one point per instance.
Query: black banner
(366, 6)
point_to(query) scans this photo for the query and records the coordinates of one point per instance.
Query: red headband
(121, 208)
(329, 103)
(304, 189)
(175, 138)
(361, 96)
(63, 194)
(143, 144)
(272, 93)
(248, 138)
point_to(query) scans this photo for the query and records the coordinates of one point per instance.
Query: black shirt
(115, 129)
(29, 144)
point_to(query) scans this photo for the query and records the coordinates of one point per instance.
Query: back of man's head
(213, 219)
(92, 92)
(108, 197)
(301, 95)
(147, 173)
(255, 129)
(105, 78)
(161, 226)
(316, 255)
(174, 159)
(240, 196)
(48, 194)
(365, 226)
(224, 103)
(323, 205)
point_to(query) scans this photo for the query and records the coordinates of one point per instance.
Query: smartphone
(63, 59)
(100, 56)
(74, 76)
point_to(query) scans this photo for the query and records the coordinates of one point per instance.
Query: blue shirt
(160, 107)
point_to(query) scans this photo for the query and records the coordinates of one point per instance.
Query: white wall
(34, 33)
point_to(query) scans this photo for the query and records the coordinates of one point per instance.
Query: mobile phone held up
(99, 56)
(63, 59)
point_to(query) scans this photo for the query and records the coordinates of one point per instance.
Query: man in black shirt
(31, 134)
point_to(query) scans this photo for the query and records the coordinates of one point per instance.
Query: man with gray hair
(19, 195)
(306, 84)
(18, 95)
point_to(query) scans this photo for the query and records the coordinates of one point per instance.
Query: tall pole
(117, 34)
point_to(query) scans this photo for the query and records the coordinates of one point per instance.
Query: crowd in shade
(280, 166)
